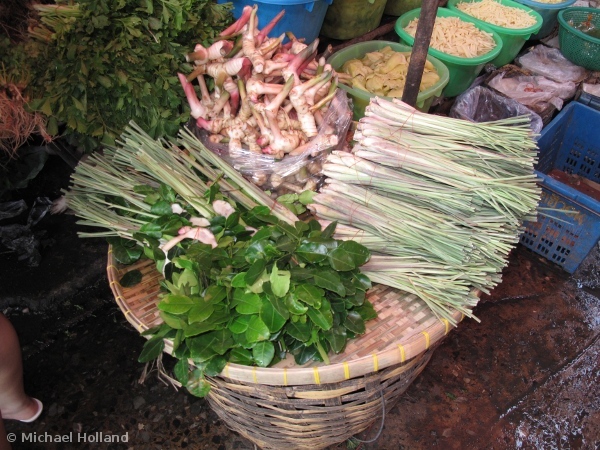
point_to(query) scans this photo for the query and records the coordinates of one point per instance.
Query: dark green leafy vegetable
(250, 300)
(107, 62)
(131, 278)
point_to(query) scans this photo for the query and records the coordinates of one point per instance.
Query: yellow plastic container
(347, 19)
(399, 7)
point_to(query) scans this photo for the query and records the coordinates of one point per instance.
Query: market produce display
(456, 37)
(425, 204)
(383, 73)
(496, 13)
(439, 201)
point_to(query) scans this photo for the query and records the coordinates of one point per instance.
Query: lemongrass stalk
(404, 186)
(97, 217)
(412, 235)
(246, 188)
(470, 156)
(399, 114)
(491, 194)
(442, 306)
(155, 158)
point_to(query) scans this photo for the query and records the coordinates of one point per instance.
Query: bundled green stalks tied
(245, 281)
(439, 201)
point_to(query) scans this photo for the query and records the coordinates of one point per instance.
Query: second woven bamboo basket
(313, 406)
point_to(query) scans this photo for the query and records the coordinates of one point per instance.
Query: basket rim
(564, 24)
(316, 374)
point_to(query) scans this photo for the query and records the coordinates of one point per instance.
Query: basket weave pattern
(312, 416)
(316, 405)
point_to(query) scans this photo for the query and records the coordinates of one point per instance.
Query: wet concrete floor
(525, 377)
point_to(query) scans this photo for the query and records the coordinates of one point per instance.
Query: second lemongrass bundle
(439, 201)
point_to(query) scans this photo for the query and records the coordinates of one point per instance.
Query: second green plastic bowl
(462, 71)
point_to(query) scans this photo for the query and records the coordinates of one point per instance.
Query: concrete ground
(525, 377)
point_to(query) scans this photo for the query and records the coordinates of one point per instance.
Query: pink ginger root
(196, 233)
(197, 109)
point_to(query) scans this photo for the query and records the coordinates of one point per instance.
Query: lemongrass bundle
(439, 201)
(104, 195)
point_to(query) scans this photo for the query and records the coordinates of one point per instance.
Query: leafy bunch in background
(107, 62)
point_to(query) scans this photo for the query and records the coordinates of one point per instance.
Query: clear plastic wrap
(300, 169)
(534, 91)
(480, 104)
(550, 63)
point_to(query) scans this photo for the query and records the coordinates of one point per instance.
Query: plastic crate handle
(590, 100)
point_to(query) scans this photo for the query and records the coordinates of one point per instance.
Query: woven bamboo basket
(313, 406)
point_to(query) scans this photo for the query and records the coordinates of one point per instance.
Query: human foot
(29, 412)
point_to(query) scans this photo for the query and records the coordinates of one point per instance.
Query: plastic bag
(292, 172)
(550, 63)
(480, 104)
(534, 91)
(22, 239)
(9, 210)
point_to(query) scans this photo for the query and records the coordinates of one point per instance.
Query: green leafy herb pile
(257, 295)
(107, 62)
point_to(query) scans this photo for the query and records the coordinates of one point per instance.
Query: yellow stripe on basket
(127, 312)
(402, 353)
(111, 266)
(226, 370)
(254, 375)
(316, 373)
(346, 371)
(109, 250)
(375, 363)
(113, 282)
(447, 323)
(426, 334)
(285, 376)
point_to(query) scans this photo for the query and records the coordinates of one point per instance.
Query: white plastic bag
(270, 173)
(534, 91)
(550, 63)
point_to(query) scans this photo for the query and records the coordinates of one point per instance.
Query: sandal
(37, 414)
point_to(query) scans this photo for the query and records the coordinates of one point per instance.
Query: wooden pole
(419, 51)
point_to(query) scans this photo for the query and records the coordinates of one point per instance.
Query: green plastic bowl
(513, 39)
(361, 99)
(549, 13)
(578, 47)
(462, 71)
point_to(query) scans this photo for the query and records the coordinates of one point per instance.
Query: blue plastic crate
(571, 143)
(303, 18)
